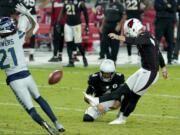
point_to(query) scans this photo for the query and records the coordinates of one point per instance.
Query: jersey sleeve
(121, 78)
(84, 9)
(22, 35)
(90, 89)
(23, 23)
(140, 40)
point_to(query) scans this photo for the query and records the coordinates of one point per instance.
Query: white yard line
(82, 110)
(19, 132)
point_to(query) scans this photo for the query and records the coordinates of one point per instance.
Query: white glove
(23, 10)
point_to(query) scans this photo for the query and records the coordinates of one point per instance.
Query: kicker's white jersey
(12, 58)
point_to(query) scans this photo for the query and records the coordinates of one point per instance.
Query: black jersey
(148, 48)
(114, 12)
(7, 7)
(72, 9)
(98, 88)
(30, 4)
(133, 9)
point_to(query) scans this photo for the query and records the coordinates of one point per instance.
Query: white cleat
(94, 101)
(118, 121)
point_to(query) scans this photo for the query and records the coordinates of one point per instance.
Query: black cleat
(85, 62)
(60, 58)
(31, 57)
(61, 130)
(53, 59)
(70, 65)
(50, 130)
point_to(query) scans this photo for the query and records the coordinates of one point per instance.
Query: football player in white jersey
(23, 25)
(12, 61)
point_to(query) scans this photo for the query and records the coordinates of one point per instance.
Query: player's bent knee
(88, 118)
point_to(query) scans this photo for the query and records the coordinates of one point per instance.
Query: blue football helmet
(7, 25)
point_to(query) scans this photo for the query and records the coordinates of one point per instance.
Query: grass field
(157, 113)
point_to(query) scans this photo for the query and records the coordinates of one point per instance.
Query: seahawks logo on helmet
(7, 25)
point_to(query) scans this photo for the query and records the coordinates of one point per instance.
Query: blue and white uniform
(12, 60)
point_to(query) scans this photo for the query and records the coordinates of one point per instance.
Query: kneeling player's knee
(88, 118)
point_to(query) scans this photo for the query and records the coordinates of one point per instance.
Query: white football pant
(73, 33)
(140, 81)
(93, 112)
(24, 89)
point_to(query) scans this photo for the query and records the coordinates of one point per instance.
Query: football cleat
(118, 121)
(54, 59)
(85, 62)
(59, 127)
(50, 130)
(70, 65)
(94, 101)
(31, 57)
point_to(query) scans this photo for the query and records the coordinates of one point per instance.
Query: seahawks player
(12, 61)
(101, 83)
(138, 83)
(72, 29)
(23, 24)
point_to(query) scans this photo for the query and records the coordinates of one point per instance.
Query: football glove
(23, 10)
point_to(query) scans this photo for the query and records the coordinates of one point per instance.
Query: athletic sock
(46, 108)
(35, 116)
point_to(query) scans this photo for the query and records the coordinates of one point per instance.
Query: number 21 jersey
(12, 58)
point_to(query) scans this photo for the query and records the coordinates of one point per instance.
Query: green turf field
(157, 113)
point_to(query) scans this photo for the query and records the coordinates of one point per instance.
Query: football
(55, 77)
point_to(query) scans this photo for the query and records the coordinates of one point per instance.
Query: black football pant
(102, 50)
(58, 41)
(111, 46)
(129, 102)
(165, 27)
(177, 45)
(129, 48)
(70, 48)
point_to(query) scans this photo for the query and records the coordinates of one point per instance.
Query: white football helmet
(107, 70)
(132, 27)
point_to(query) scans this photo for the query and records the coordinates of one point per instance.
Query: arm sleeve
(140, 40)
(123, 78)
(84, 9)
(90, 89)
(161, 60)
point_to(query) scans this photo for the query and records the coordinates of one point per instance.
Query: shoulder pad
(118, 74)
(94, 75)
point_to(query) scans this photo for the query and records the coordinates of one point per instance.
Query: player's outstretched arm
(23, 10)
(117, 37)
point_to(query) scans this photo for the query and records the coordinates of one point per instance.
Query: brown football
(55, 77)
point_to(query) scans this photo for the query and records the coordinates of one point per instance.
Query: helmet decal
(130, 23)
